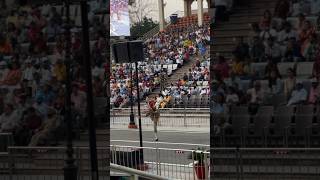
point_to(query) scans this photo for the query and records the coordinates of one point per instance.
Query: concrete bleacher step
(238, 25)
(244, 19)
(231, 33)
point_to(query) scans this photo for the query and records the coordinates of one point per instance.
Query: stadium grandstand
(175, 73)
(265, 89)
(33, 83)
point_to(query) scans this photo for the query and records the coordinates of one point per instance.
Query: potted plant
(199, 163)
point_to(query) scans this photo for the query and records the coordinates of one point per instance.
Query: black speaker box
(120, 52)
(136, 51)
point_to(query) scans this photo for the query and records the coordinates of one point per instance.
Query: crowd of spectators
(290, 34)
(33, 71)
(172, 46)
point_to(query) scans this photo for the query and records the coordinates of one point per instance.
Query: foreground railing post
(185, 117)
(11, 164)
(70, 169)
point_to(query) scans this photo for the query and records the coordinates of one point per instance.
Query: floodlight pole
(90, 112)
(132, 124)
(70, 169)
(139, 112)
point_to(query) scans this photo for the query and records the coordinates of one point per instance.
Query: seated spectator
(282, 9)
(292, 51)
(222, 67)
(305, 35)
(268, 33)
(314, 93)
(255, 96)
(32, 121)
(301, 21)
(237, 67)
(298, 96)
(312, 49)
(221, 10)
(289, 82)
(13, 77)
(318, 23)
(41, 107)
(257, 50)
(287, 33)
(241, 50)
(79, 100)
(44, 132)
(3, 70)
(295, 8)
(217, 108)
(9, 120)
(265, 22)
(5, 46)
(270, 68)
(274, 82)
(232, 97)
(59, 71)
(46, 94)
(316, 68)
(273, 50)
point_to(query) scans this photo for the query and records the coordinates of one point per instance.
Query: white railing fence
(175, 117)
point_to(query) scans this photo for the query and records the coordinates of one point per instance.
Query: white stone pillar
(200, 12)
(189, 7)
(185, 3)
(161, 15)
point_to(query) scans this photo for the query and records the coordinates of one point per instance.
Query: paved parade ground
(179, 139)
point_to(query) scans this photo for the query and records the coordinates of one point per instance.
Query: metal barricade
(47, 163)
(265, 163)
(6, 139)
(165, 162)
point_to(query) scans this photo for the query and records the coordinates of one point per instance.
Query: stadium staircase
(238, 26)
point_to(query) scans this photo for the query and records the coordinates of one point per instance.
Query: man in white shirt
(287, 33)
(9, 120)
(256, 94)
(298, 96)
(28, 71)
(273, 50)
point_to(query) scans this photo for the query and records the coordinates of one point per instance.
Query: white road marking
(167, 143)
(204, 131)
